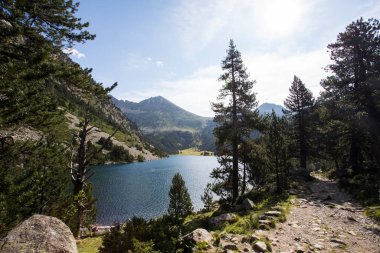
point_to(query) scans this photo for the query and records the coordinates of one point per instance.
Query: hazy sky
(174, 48)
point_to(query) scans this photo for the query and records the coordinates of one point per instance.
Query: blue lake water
(141, 189)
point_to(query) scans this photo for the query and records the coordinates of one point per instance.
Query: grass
(246, 222)
(373, 212)
(194, 151)
(89, 244)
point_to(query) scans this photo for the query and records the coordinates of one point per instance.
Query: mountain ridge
(172, 128)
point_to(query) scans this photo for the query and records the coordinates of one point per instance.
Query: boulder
(39, 234)
(221, 219)
(260, 246)
(199, 235)
(228, 246)
(248, 204)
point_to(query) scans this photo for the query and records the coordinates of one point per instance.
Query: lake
(141, 189)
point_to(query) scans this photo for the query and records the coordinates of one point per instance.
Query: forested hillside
(55, 119)
(168, 126)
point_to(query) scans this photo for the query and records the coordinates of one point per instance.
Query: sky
(174, 48)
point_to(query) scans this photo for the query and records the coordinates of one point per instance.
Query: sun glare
(280, 17)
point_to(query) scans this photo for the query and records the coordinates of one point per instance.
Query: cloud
(193, 93)
(137, 62)
(73, 52)
(273, 73)
(200, 23)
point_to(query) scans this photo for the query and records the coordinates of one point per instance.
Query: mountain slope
(266, 108)
(168, 126)
(159, 114)
(171, 128)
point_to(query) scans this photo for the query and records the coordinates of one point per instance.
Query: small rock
(260, 246)
(336, 240)
(317, 246)
(273, 213)
(278, 208)
(294, 225)
(351, 218)
(228, 246)
(235, 240)
(254, 238)
(352, 233)
(266, 222)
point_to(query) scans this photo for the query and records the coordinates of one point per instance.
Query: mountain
(171, 128)
(168, 126)
(159, 114)
(266, 108)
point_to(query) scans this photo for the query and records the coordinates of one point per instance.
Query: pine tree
(278, 149)
(235, 119)
(34, 180)
(207, 197)
(354, 87)
(180, 202)
(299, 103)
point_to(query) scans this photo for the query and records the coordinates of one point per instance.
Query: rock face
(39, 234)
(219, 220)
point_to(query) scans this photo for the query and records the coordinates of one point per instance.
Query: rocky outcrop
(39, 234)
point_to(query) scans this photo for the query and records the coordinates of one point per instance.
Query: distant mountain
(167, 125)
(171, 128)
(266, 108)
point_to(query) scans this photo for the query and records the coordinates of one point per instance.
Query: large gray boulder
(199, 235)
(39, 234)
(223, 218)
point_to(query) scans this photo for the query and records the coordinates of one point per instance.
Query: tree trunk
(78, 224)
(354, 153)
(235, 152)
(244, 178)
(302, 141)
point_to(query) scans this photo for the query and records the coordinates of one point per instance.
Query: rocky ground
(325, 219)
(321, 218)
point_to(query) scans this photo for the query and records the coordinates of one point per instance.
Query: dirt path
(325, 220)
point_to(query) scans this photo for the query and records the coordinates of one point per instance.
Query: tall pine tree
(180, 202)
(298, 104)
(354, 88)
(235, 116)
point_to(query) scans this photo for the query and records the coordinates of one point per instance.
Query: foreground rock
(39, 234)
(199, 235)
